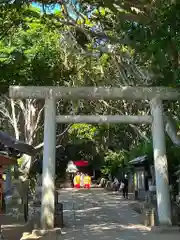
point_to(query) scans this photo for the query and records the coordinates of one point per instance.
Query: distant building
(143, 174)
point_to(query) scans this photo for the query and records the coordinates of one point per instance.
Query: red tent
(81, 163)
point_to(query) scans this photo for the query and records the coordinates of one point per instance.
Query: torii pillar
(49, 152)
(160, 163)
(154, 94)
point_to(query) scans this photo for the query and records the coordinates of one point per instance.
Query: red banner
(81, 163)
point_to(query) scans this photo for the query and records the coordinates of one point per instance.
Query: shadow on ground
(93, 215)
(96, 214)
(13, 228)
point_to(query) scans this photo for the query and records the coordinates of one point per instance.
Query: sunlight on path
(96, 214)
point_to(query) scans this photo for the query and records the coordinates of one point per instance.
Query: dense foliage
(89, 42)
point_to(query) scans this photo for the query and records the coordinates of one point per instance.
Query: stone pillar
(48, 176)
(160, 163)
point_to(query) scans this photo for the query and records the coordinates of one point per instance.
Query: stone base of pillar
(52, 234)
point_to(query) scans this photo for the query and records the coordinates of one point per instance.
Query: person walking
(87, 181)
(72, 179)
(82, 180)
(125, 188)
(77, 180)
(116, 184)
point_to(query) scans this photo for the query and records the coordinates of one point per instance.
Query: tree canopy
(83, 43)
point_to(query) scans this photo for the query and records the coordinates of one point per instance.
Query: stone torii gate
(155, 95)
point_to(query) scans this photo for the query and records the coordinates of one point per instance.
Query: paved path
(98, 215)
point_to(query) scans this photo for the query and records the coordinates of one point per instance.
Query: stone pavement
(98, 215)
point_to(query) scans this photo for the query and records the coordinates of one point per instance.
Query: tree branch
(6, 115)
(86, 30)
(21, 105)
(131, 125)
(171, 130)
(58, 135)
(36, 127)
(14, 119)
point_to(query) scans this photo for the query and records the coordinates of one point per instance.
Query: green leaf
(102, 11)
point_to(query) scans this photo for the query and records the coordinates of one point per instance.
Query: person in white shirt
(82, 180)
(116, 184)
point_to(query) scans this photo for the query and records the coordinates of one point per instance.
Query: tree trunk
(171, 130)
(25, 167)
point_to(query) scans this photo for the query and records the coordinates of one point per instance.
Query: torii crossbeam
(155, 95)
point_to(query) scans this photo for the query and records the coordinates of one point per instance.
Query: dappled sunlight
(97, 215)
(7, 226)
(103, 226)
(88, 209)
(110, 226)
(137, 227)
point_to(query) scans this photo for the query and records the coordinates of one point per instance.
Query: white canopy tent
(71, 167)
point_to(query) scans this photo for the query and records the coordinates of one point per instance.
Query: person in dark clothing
(72, 180)
(125, 188)
(146, 183)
